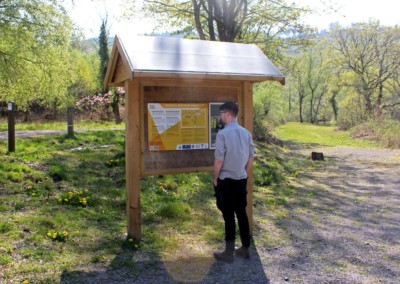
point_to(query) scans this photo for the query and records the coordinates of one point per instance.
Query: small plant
(115, 162)
(57, 173)
(76, 198)
(5, 259)
(5, 227)
(169, 185)
(174, 209)
(134, 243)
(56, 235)
(34, 190)
(266, 176)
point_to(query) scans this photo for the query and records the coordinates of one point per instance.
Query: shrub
(266, 176)
(386, 132)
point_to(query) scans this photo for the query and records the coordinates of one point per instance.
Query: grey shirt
(233, 146)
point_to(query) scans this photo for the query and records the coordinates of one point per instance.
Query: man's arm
(217, 169)
(249, 165)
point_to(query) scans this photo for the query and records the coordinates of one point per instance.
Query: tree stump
(317, 156)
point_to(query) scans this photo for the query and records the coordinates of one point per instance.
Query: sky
(88, 14)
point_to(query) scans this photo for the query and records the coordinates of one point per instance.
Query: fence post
(70, 121)
(11, 127)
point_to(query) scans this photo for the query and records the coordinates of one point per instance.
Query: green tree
(316, 77)
(271, 24)
(371, 52)
(104, 55)
(296, 82)
(35, 36)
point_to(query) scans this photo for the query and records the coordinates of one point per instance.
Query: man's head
(228, 112)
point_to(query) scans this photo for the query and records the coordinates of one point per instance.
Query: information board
(215, 123)
(177, 126)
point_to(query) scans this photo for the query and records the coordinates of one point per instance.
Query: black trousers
(231, 200)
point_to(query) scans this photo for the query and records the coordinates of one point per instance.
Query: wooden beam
(133, 157)
(247, 112)
(121, 73)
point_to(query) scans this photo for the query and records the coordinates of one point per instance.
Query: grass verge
(312, 134)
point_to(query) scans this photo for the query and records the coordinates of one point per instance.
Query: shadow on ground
(130, 267)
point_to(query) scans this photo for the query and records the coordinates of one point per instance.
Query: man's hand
(217, 169)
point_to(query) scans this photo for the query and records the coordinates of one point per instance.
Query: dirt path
(350, 230)
(37, 133)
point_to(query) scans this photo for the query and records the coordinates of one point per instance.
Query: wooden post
(70, 122)
(133, 157)
(247, 111)
(11, 127)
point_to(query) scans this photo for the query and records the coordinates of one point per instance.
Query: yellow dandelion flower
(66, 199)
(65, 234)
(49, 234)
(26, 281)
(54, 235)
(84, 202)
(60, 200)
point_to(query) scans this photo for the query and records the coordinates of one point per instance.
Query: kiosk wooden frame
(170, 70)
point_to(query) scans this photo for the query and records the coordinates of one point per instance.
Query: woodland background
(346, 76)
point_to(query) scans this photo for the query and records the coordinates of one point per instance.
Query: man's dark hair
(230, 107)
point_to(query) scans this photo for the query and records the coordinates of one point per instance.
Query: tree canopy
(35, 36)
(271, 24)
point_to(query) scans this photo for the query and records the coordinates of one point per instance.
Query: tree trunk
(301, 108)
(115, 108)
(378, 103)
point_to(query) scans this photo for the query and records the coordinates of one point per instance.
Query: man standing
(234, 155)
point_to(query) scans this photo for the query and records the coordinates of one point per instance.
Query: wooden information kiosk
(172, 86)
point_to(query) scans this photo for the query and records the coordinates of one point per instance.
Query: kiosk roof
(166, 57)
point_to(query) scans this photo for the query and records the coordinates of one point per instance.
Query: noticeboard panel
(177, 126)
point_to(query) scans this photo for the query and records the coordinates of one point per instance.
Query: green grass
(61, 125)
(311, 134)
(54, 184)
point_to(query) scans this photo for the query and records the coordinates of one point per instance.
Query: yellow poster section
(182, 127)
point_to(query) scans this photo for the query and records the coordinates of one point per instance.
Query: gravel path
(348, 233)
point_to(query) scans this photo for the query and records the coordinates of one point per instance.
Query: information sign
(177, 126)
(215, 123)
